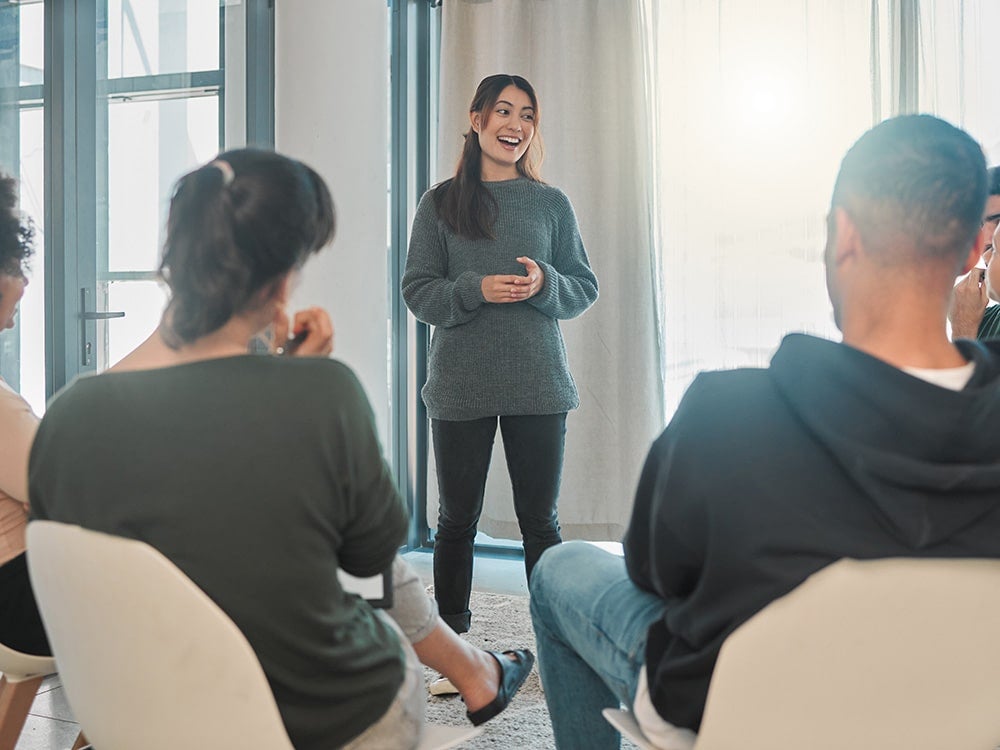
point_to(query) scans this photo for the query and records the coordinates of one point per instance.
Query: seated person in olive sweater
(259, 476)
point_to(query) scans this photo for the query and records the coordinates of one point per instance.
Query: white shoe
(443, 686)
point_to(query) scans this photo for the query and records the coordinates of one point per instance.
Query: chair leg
(15, 702)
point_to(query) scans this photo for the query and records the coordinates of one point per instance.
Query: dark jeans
(462, 450)
(20, 624)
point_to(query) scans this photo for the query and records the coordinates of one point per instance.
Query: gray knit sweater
(499, 359)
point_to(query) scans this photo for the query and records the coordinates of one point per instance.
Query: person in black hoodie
(884, 445)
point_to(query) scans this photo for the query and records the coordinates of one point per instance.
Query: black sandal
(513, 673)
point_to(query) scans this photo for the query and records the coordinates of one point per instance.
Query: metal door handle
(86, 343)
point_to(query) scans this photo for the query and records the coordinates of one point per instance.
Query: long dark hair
(235, 225)
(462, 202)
(16, 234)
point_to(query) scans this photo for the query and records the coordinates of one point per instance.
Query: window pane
(32, 51)
(150, 37)
(22, 348)
(142, 302)
(31, 318)
(150, 144)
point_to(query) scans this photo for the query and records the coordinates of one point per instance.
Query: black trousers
(534, 447)
(20, 624)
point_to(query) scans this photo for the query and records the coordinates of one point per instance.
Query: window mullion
(70, 212)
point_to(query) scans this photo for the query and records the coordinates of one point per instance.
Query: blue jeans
(590, 627)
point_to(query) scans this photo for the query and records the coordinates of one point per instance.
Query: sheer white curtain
(756, 105)
(717, 127)
(959, 71)
(585, 59)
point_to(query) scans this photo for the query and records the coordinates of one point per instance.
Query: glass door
(103, 105)
(160, 110)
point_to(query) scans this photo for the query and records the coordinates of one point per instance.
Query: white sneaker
(443, 686)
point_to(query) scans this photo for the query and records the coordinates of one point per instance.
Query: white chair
(867, 655)
(22, 674)
(629, 728)
(147, 659)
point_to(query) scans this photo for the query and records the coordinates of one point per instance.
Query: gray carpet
(501, 622)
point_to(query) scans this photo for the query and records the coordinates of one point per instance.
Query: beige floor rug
(501, 622)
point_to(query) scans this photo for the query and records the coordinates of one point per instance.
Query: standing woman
(495, 261)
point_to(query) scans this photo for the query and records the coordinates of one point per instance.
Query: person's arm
(428, 292)
(18, 425)
(569, 286)
(377, 514)
(663, 544)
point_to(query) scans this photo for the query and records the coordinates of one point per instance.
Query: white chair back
(18, 666)
(867, 655)
(147, 659)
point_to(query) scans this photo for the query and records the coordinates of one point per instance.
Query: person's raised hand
(310, 333)
(968, 303)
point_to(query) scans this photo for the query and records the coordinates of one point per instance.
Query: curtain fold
(586, 61)
(959, 70)
(756, 104)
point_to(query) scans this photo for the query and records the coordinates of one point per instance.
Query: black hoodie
(764, 477)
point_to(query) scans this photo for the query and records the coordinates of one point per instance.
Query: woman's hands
(310, 333)
(503, 288)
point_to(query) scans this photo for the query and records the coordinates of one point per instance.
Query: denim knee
(559, 563)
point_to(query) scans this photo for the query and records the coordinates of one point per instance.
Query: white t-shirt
(660, 733)
(952, 378)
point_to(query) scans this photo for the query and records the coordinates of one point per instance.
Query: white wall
(331, 111)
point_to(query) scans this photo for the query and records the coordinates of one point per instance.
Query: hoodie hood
(921, 454)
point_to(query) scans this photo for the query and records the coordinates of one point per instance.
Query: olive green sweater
(499, 359)
(257, 476)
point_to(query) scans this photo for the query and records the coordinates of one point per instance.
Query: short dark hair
(235, 225)
(993, 180)
(16, 234)
(918, 180)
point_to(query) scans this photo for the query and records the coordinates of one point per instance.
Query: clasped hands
(503, 288)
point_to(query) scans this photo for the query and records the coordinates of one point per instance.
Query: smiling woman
(495, 262)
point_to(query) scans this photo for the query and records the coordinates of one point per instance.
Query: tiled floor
(50, 725)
